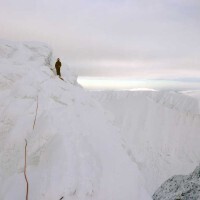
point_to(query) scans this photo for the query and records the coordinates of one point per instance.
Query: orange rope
(25, 171)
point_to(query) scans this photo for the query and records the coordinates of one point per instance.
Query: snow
(160, 131)
(116, 145)
(74, 150)
(193, 93)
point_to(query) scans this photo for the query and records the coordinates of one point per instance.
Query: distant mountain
(160, 131)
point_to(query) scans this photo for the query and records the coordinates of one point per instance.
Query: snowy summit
(73, 149)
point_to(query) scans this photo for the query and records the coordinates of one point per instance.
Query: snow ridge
(160, 131)
(74, 151)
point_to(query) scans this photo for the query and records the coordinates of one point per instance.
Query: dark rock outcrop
(180, 187)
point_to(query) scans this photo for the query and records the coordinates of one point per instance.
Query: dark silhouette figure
(58, 65)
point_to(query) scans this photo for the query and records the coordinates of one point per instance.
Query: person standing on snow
(58, 65)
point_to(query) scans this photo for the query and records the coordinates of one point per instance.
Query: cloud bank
(112, 38)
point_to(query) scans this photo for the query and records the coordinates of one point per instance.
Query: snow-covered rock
(160, 131)
(74, 150)
(180, 187)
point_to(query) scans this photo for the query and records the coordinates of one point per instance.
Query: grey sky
(151, 38)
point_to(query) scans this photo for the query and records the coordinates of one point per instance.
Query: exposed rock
(180, 187)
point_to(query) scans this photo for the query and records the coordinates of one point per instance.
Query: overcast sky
(135, 38)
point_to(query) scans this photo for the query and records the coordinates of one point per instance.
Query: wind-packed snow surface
(161, 131)
(74, 150)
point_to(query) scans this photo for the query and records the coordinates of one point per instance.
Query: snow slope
(195, 94)
(74, 151)
(160, 131)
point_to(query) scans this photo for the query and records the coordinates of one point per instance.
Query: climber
(58, 66)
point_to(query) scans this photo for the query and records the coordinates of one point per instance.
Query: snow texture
(180, 187)
(160, 131)
(75, 151)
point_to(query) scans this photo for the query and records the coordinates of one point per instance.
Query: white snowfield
(75, 151)
(161, 131)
